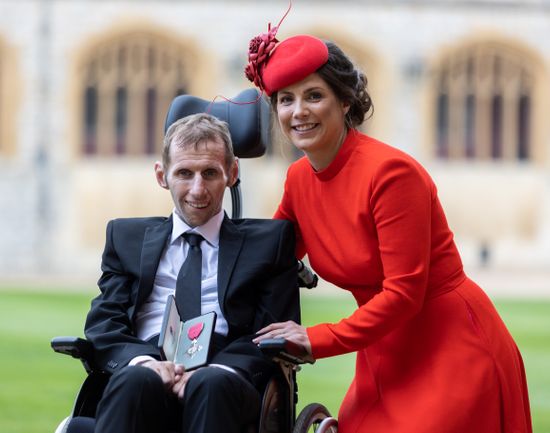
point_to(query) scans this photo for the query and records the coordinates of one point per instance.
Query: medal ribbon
(195, 330)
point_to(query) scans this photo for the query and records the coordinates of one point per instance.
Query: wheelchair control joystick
(306, 277)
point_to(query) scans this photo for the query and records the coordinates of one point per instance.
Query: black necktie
(188, 284)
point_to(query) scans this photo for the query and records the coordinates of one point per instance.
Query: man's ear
(233, 173)
(160, 174)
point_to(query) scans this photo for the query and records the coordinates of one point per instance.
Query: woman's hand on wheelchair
(288, 330)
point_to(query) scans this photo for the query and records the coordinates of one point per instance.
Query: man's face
(197, 178)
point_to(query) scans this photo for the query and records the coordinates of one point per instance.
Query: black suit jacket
(257, 285)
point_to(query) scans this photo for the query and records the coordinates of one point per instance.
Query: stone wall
(55, 203)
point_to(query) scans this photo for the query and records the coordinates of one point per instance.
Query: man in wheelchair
(248, 276)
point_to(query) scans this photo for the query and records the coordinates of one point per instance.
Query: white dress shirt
(149, 316)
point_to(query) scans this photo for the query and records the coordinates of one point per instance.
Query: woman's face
(311, 116)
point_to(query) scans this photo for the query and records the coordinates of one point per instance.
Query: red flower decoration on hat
(259, 49)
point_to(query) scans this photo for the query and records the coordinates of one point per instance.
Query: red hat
(293, 60)
(290, 61)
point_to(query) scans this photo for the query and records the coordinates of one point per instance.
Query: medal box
(186, 343)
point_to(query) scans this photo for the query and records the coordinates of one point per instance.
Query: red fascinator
(293, 60)
(272, 67)
(259, 49)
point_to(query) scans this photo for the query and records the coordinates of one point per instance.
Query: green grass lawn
(37, 386)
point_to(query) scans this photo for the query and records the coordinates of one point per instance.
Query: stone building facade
(463, 86)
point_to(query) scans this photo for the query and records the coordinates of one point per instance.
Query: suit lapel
(154, 242)
(231, 240)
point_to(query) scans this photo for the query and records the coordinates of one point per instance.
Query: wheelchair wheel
(315, 418)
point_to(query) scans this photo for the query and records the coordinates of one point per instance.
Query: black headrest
(248, 123)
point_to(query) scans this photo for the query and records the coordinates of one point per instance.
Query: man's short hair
(195, 129)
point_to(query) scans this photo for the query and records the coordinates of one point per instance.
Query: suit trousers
(215, 400)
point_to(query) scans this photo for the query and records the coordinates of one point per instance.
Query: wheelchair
(249, 125)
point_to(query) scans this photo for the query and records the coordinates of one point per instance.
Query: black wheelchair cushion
(249, 121)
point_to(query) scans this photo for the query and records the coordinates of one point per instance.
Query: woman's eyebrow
(309, 89)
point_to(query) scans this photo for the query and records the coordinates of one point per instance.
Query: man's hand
(179, 386)
(169, 372)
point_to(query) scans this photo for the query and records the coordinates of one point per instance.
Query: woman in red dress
(433, 355)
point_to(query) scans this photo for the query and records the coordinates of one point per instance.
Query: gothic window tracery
(483, 105)
(126, 81)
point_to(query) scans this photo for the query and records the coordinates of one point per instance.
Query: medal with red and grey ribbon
(193, 334)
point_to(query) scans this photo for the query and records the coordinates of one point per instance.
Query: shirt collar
(210, 231)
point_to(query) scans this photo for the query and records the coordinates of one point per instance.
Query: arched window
(9, 99)
(483, 104)
(127, 85)
(2, 79)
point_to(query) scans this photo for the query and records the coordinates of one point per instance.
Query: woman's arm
(400, 205)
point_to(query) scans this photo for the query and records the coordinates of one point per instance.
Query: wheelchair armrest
(77, 348)
(74, 346)
(279, 348)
